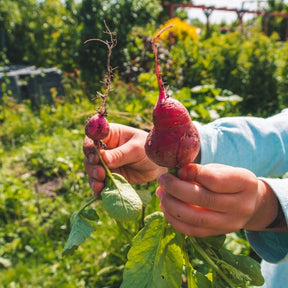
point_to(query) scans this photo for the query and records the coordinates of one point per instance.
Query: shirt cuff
(272, 246)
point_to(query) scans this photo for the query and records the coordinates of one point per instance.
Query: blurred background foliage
(52, 33)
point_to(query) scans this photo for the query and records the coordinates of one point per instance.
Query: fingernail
(159, 193)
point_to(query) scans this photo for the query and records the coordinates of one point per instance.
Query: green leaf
(80, 230)
(236, 276)
(247, 265)
(5, 262)
(120, 199)
(205, 89)
(201, 280)
(90, 214)
(145, 196)
(231, 98)
(155, 259)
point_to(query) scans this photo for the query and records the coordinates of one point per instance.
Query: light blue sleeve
(260, 145)
(273, 247)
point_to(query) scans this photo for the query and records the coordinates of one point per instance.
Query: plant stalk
(127, 234)
(107, 170)
(209, 261)
(189, 269)
(87, 204)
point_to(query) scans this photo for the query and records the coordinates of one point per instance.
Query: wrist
(280, 220)
(266, 208)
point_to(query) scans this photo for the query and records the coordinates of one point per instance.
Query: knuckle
(118, 155)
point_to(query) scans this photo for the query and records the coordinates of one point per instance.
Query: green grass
(42, 182)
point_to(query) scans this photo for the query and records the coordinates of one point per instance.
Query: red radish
(97, 127)
(174, 140)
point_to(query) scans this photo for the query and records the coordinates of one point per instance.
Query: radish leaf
(120, 199)
(145, 196)
(90, 214)
(243, 265)
(155, 258)
(80, 230)
(201, 281)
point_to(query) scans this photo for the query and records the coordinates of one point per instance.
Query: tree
(37, 33)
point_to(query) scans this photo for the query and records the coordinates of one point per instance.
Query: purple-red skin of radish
(97, 127)
(174, 141)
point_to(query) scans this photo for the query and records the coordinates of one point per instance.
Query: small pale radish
(174, 141)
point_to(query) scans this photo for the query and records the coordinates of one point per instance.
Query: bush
(251, 66)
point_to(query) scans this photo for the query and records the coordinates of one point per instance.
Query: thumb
(218, 178)
(117, 157)
(188, 172)
(197, 172)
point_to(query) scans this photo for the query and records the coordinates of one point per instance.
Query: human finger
(97, 186)
(219, 178)
(196, 220)
(195, 194)
(88, 147)
(94, 171)
(121, 156)
(192, 230)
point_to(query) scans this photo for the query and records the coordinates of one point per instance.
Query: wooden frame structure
(208, 10)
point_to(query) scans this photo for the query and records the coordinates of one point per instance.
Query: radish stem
(189, 269)
(107, 170)
(157, 68)
(86, 205)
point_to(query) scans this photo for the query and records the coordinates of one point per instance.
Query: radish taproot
(174, 141)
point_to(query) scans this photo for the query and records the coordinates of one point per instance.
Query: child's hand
(216, 199)
(125, 155)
